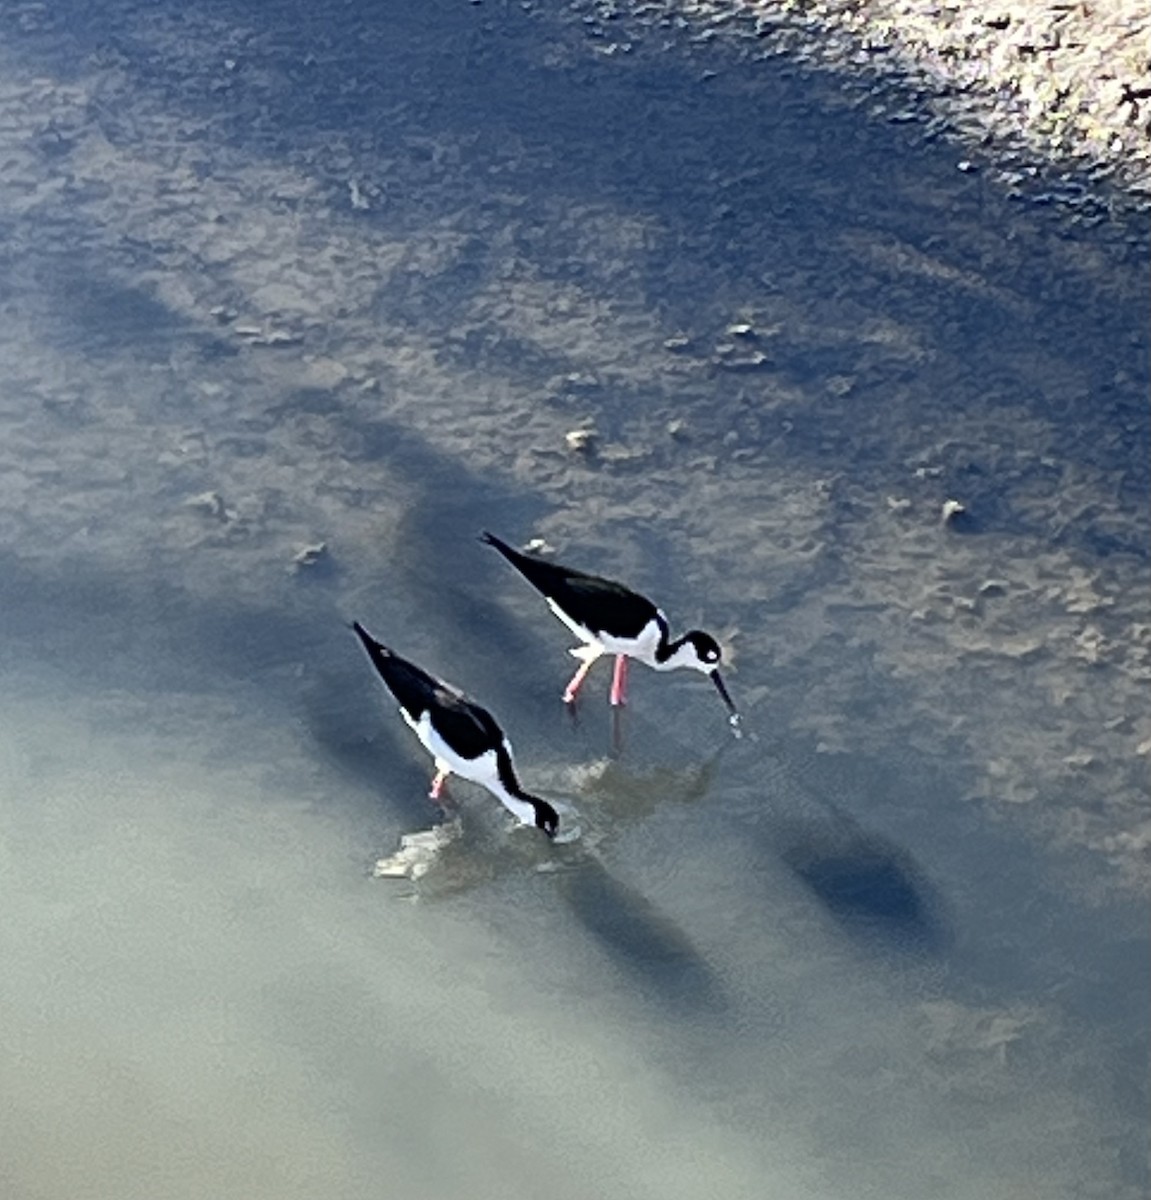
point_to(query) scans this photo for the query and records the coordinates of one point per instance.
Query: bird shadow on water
(642, 943)
(433, 593)
(637, 937)
(645, 945)
(640, 940)
(872, 887)
(623, 793)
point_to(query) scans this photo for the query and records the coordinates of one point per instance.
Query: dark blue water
(298, 300)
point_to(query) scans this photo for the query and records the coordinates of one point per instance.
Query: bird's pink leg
(576, 680)
(619, 680)
(437, 785)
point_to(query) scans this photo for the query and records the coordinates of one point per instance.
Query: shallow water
(275, 281)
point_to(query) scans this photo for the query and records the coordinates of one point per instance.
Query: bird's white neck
(522, 810)
(670, 656)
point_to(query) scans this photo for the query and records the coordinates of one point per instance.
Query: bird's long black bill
(733, 719)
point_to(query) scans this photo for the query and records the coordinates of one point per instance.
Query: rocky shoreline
(1024, 83)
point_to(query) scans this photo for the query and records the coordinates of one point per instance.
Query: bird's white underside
(642, 647)
(483, 770)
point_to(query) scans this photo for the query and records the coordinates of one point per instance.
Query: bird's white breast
(483, 770)
(643, 646)
(480, 770)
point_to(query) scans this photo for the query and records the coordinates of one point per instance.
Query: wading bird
(459, 734)
(609, 618)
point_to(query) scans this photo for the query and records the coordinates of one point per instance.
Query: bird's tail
(490, 539)
(377, 651)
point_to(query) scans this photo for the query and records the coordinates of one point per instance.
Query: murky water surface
(297, 299)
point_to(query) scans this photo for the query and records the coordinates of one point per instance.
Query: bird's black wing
(469, 729)
(596, 603)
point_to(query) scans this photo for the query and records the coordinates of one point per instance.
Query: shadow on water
(623, 793)
(436, 581)
(110, 629)
(640, 940)
(869, 884)
(97, 314)
(108, 634)
(648, 949)
(99, 305)
(873, 888)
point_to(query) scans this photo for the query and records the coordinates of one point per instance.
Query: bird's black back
(469, 729)
(600, 605)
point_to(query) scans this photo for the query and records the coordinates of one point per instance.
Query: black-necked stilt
(612, 619)
(459, 734)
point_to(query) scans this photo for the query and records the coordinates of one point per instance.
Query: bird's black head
(707, 656)
(547, 818)
(706, 649)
